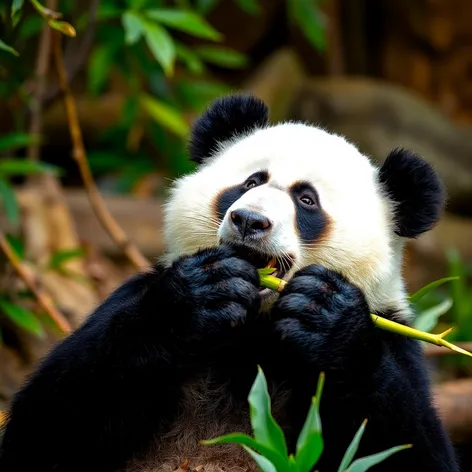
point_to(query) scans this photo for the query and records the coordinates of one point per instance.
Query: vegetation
(269, 449)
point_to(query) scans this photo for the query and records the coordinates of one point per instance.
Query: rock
(276, 81)
(379, 117)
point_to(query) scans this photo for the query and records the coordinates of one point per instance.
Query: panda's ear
(417, 191)
(223, 119)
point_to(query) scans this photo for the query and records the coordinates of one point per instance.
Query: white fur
(360, 244)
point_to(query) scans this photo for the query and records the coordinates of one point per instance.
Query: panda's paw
(213, 289)
(320, 313)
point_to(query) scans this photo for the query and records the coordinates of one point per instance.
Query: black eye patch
(228, 196)
(311, 221)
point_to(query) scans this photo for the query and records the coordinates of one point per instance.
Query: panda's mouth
(281, 264)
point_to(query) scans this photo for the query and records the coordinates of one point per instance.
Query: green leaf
(192, 61)
(311, 21)
(264, 464)
(61, 257)
(426, 289)
(10, 204)
(63, 27)
(266, 270)
(46, 12)
(222, 56)
(16, 5)
(165, 115)
(15, 166)
(22, 317)
(205, 6)
(17, 245)
(249, 6)
(101, 62)
(17, 140)
(365, 463)
(266, 431)
(243, 439)
(310, 441)
(5, 47)
(428, 319)
(161, 45)
(352, 449)
(186, 21)
(133, 26)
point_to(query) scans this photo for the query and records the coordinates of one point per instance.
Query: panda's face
(293, 195)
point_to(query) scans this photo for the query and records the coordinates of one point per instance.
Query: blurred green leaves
(22, 317)
(5, 47)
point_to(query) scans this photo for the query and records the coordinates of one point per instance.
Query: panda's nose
(250, 223)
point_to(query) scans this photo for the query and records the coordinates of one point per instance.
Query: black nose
(250, 223)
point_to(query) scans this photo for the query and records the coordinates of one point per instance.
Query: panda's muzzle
(249, 223)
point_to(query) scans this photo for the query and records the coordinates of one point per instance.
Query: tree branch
(42, 297)
(42, 66)
(80, 156)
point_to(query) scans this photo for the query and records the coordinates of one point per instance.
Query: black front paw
(322, 317)
(211, 291)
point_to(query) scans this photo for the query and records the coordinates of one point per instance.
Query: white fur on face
(359, 243)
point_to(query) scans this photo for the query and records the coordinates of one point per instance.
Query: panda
(169, 358)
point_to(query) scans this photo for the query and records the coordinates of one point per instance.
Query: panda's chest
(206, 411)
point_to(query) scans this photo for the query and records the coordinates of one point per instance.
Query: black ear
(417, 191)
(226, 117)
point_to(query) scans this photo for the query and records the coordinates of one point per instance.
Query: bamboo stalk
(277, 284)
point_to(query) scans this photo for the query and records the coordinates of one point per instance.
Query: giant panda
(169, 358)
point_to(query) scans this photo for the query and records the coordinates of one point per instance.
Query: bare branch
(42, 297)
(80, 156)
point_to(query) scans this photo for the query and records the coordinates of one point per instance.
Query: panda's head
(295, 195)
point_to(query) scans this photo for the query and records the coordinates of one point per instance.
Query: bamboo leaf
(249, 6)
(165, 115)
(63, 27)
(352, 449)
(4, 47)
(133, 27)
(161, 45)
(243, 439)
(22, 317)
(16, 5)
(428, 319)
(46, 12)
(186, 21)
(266, 431)
(426, 289)
(100, 64)
(13, 166)
(193, 62)
(264, 464)
(311, 20)
(222, 56)
(10, 204)
(365, 463)
(17, 140)
(61, 257)
(310, 441)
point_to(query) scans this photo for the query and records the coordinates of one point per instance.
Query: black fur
(311, 221)
(230, 195)
(416, 188)
(224, 119)
(101, 394)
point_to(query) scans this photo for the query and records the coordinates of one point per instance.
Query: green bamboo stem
(277, 284)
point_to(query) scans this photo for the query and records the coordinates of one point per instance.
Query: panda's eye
(306, 200)
(250, 184)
